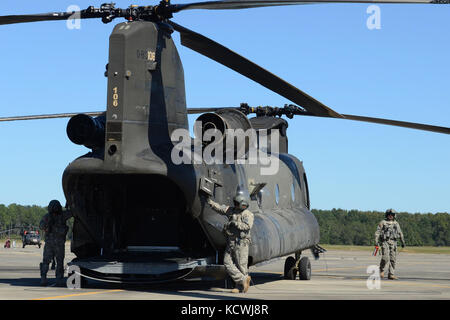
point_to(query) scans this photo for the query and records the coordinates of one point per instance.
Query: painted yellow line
(78, 294)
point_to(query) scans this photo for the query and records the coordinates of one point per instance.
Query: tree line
(15, 219)
(356, 227)
(337, 226)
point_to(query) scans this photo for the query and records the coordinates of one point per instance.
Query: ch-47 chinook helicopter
(127, 224)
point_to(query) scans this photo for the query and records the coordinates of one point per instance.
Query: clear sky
(400, 71)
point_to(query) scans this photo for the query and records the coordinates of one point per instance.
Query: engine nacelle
(86, 130)
(233, 131)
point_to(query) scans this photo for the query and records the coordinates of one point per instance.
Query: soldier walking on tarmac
(386, 236)
(54, 225)
(237, 232)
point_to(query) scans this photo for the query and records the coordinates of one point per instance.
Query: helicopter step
(151, 269)
(298, 265)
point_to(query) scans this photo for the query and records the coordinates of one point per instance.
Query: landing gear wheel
(290, 271)
(304, 268)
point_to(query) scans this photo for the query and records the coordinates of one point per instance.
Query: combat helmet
(240, 201)
(54, 206)
(390, 211)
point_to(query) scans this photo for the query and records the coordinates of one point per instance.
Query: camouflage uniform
(237, 232)
(54, 225)
(386, 236)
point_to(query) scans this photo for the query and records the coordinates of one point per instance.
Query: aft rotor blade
(49, 116)
(37, 17)
(247, 4)
(234, 61)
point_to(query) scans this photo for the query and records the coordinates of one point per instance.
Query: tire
(290, 272)
(304, 268)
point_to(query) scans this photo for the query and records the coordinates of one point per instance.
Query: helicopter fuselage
(132, 203)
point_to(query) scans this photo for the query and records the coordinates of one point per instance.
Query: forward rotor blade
(49, 116)
(234, 61)
(397, 123)
(203, 110)
(247, 4)
(92, 114)
(404, 124)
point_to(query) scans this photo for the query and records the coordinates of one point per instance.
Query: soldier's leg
(243, 265)
(229, 262)
(384, 258)
(242, 256)
(53, 267)
(392, 258)
(59, 256)
(47, 256)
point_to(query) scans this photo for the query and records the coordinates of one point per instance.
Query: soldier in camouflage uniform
(54, 225)
(386, 236)
(237, 231)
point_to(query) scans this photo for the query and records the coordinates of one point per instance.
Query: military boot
(382, 274)
(392, 277)
(60, 276)
(60, 282)
(246, 283)
(44, 269)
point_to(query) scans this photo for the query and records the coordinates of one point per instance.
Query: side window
(259, 196)
(293, 192)
(306, 190)
(277, 194)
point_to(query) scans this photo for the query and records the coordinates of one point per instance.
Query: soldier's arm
(67, 214)
(402, 239)
(43, 225)
(222, 209)
(246, 222)
(378, 233)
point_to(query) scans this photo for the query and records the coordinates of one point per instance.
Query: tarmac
(337, 275)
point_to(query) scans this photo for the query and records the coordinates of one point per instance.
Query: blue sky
(400, 71)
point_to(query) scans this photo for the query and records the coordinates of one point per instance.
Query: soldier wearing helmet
(237, 232)
(54, 225)
(386, 236)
